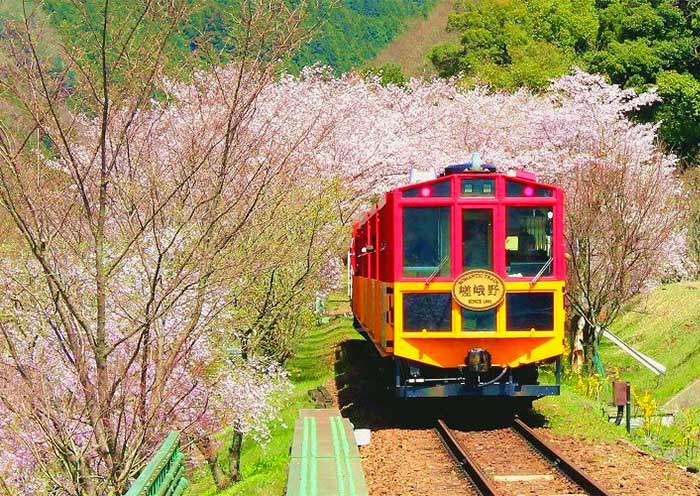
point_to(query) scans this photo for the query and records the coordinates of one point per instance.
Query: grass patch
(264, 468)
(663, 325)
(571, 414)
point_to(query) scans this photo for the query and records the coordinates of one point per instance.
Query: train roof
(459, 171)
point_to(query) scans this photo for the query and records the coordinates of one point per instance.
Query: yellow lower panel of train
(379, 308)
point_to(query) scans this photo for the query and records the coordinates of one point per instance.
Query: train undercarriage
(415, 380)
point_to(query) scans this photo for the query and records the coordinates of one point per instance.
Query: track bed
(411, 461)
(515, 461)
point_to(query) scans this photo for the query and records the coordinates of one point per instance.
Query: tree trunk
(234, 459)
(205, 447)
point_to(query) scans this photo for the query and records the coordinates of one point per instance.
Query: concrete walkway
(686, 398)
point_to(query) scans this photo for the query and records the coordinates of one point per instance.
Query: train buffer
(324, 460)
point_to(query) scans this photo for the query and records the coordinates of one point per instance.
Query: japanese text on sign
(478, 290)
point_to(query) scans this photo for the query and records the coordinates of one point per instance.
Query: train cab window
(527, 311)
(478, 321)
(515, 188)
(441, 189)
(529, 241)
(478, 187)
(427, 311)
(426, 241)
(477, 239)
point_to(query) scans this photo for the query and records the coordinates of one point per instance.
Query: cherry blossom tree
(246, 402)
(128, 218)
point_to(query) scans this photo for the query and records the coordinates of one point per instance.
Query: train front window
(478, 321)
(426, 241)
(514, 188)
(478, 187)
(442, 189)
(529, 241)
(477, 239)
(530, 311)
(427, 312)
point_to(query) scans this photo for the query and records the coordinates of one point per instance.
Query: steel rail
(560, 462)
(478, 478)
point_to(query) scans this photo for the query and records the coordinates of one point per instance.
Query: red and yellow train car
(461, 280)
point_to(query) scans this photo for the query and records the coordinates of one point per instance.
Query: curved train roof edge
(526, 177)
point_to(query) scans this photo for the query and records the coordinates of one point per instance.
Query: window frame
(508, 330)
(495, 235)
(426, 331)
(543, 277)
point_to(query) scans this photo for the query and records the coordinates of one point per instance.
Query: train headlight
(478, 360)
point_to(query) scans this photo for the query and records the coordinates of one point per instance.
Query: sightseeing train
(460, 280)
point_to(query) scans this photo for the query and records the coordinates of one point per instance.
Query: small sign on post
(619, 393)
(622, 399)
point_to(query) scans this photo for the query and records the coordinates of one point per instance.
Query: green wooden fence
(164, 474)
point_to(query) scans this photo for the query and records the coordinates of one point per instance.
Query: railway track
(515, 461)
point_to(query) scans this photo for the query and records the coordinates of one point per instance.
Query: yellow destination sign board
(478, 290)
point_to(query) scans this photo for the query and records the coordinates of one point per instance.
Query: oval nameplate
(478, 290)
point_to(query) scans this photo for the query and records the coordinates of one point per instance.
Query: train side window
(478, 187)
(515, 188)
(477, 239)
(427, 311)
(529, 241)
(479, 321)
(527, 311)
(426, 241)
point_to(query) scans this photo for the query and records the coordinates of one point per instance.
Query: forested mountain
(346, 34)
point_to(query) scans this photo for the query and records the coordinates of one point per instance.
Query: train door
(477, 235)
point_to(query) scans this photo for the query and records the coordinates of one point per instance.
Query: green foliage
(346, 33)
(387, 74)
(644, 43)
(680, 112)
(517, 43)
(636, 43)
(622, 61)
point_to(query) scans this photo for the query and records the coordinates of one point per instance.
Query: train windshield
(529, 241)
(426, 241)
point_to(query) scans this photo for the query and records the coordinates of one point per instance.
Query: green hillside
(411, 48)
(356, 30)
(665, 325)
(347, 34)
